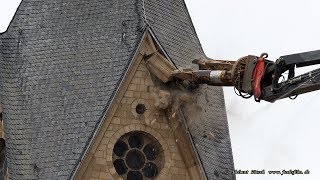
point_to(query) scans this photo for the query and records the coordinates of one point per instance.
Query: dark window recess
(150, 151)
(120, 166)
(134, 175)
(140, 108)
(136, 141)
(135, 159)
(150, 170)
(120, 148)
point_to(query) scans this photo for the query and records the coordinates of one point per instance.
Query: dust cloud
(162, 98)
(176, 102)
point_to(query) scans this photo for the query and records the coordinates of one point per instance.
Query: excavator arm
(256, 75)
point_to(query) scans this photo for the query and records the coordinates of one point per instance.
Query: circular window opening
(138, 156)
(140, 108)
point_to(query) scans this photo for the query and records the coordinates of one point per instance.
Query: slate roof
(60, 65)
(210, 134)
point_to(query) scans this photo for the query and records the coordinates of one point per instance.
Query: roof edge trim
(184, 122)
(157, 42)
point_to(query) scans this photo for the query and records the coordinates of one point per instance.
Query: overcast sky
(282, 135)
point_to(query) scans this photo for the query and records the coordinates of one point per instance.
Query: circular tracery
(138, 156)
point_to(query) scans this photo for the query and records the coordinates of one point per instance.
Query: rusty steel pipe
(215, 77)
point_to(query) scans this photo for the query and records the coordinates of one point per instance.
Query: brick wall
(126, 119)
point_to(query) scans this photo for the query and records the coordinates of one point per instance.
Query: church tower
(86, 93)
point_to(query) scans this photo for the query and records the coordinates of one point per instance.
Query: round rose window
(138, 156)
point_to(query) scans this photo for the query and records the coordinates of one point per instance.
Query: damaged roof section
(61, 64)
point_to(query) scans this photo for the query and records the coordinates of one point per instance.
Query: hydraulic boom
(257, 76)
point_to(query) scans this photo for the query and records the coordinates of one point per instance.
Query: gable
(125, 119)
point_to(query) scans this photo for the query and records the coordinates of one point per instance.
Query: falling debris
(192, 111)
(173, 115)
(162, 99)
(153, 121)
(177, 100)
(185, 97)
(211, 134)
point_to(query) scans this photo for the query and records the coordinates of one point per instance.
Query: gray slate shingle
(172, 25)
(210, 132)
(60, 64)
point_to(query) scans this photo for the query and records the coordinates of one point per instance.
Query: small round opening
(140, 108)
(135, 159)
